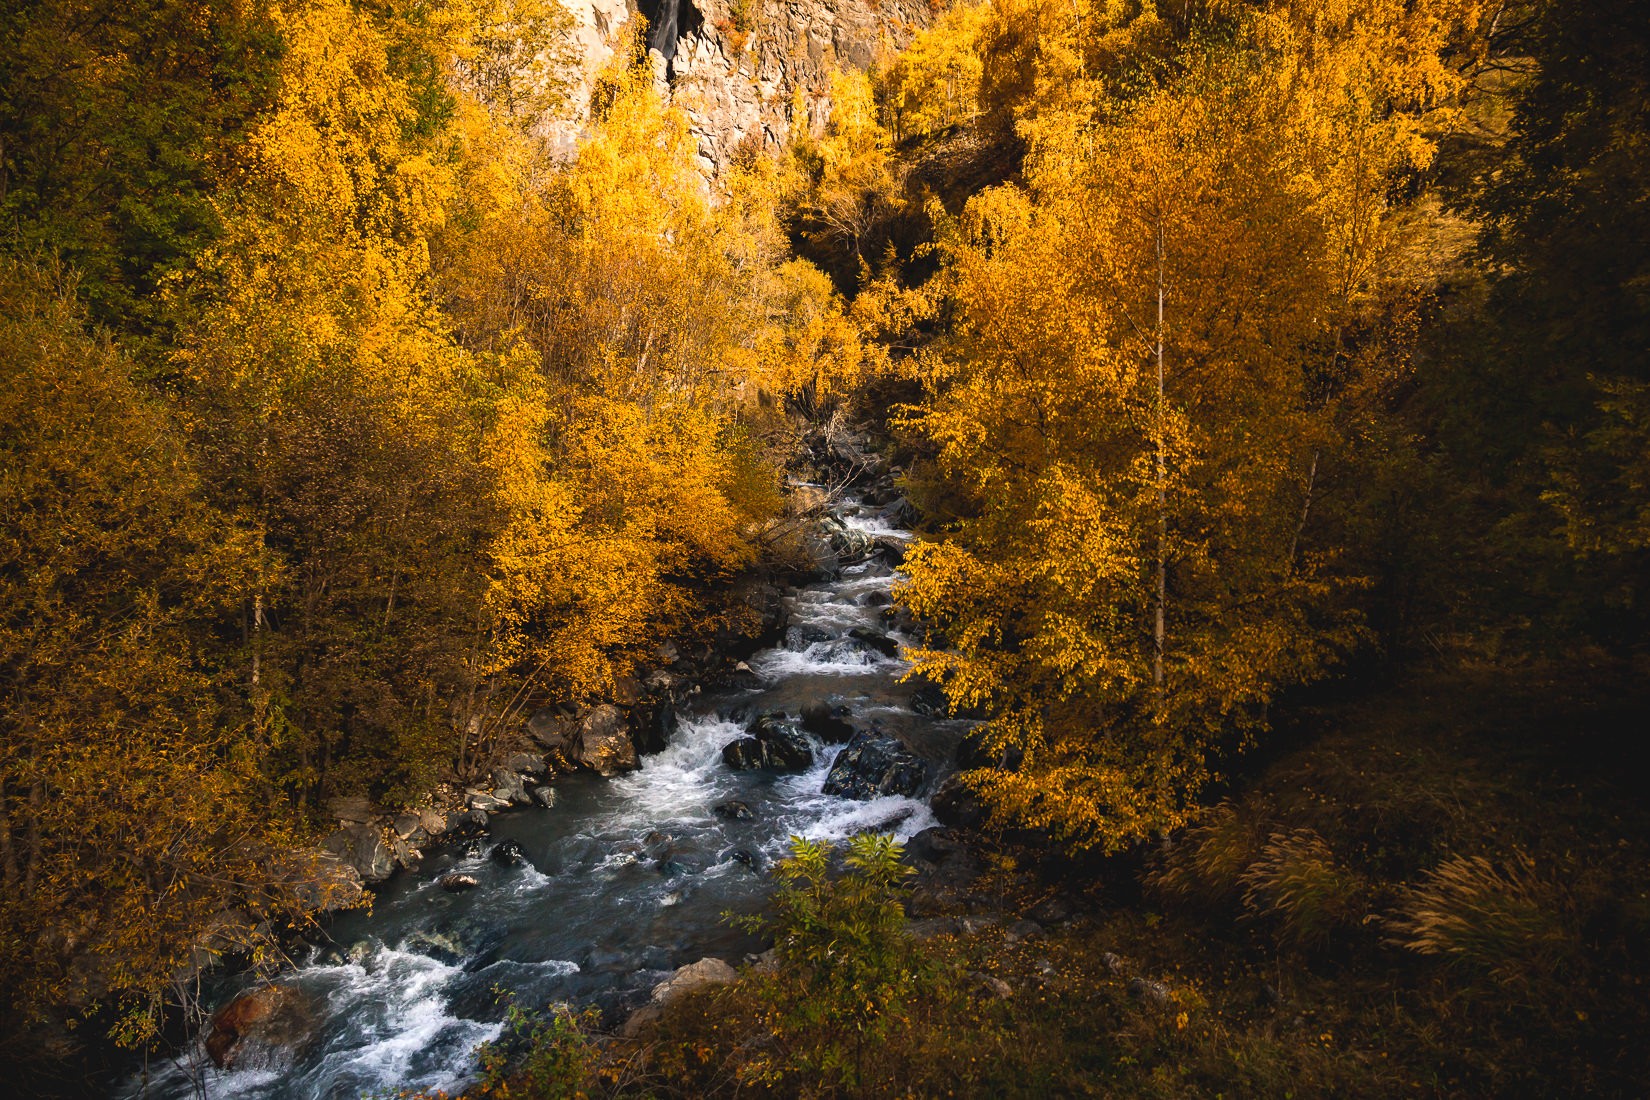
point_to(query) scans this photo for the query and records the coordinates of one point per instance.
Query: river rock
(828, 722)
(362, 847)
(409, 827)
(652, 724)
(507, 853)
(467, 825)
(930, 701)
(878, 643)
(956, 804)
(552, 729)
(527, 763)
(890, 549)
(628, 691)
(260, 1026)
(873, 764)
(693, 976)
(485, 801)
(776, 743)
(733, 810)
(507, 786)
(544, 796)
(604, 744)
(456, 882)
(325, 882)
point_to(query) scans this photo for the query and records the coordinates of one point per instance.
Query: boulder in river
(507, 853)
(733, 810)
(260, 1026)
(878, 643)
(362, 847)
(604, 745)
(828, 722)
(457, 882)
(874, 764)
(544, 796)
(776, 743)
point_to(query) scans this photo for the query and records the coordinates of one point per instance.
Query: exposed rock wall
(735, 66)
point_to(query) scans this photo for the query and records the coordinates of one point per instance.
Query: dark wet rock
(671, 867)
(507, 853)
(467, 825)
(890, 549)
(260, 1027)
(957, 805)
(740, 855)
(405, 854)
(734, 810)
(877, 643)
(544, 796)
(652, 725)
(900, 512)
(456, 882)
(828, 722)
(744, 754)
(873, 764)
(604, 745)
(776, 743)
(1154, 995)
(972, 752)
(929, 701)
(442, 947)
(1114, 963)
(363, 847)
(878, 598)
(798, 638)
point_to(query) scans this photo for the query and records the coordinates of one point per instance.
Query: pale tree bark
(1160, 626)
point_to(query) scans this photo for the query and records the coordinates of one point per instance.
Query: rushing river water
(625, 880)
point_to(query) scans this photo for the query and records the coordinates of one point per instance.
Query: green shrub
(845, 966)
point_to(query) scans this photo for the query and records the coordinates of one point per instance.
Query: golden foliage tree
(1152, 366)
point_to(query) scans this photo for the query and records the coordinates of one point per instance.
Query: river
(625, 878)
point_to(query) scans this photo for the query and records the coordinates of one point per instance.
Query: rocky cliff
(736, 66)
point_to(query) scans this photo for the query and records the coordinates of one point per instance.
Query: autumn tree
(132, 809)
(1153, 365)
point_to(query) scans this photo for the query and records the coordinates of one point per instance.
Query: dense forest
(1272, 380)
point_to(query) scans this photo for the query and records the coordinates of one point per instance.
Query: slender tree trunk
(9, 873)
(1160, 628)
(1306, 510)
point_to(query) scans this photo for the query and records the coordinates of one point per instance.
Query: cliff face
(735, 66)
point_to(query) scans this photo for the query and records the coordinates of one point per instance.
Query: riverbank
(1432, 888)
